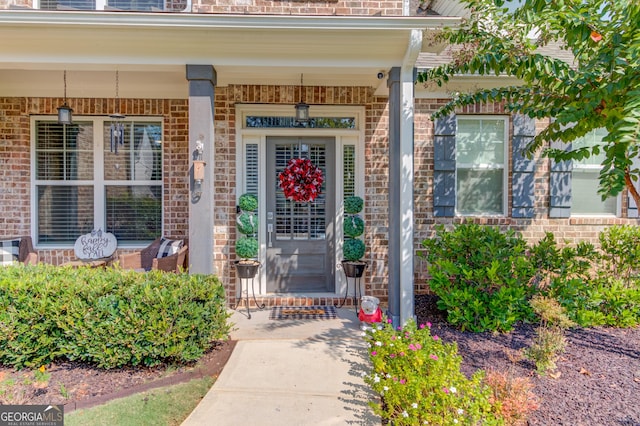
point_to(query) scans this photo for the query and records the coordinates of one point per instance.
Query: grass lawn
(158, 407)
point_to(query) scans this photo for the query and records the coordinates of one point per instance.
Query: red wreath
(301, 180)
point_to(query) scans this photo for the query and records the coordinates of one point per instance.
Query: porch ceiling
(151, 50)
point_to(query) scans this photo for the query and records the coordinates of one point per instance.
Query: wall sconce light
(302, 108)
(198, 169)
(64, 111)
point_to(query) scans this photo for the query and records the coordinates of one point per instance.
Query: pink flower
(403, 381)
(418, 346)
(436, 338)
(413, 347)
(433, 357)
(389, 321)
(401, 353)
(429, 324)
(421, 326)
(374, 353)
(445, 390)
(393, 337)
(392, 355)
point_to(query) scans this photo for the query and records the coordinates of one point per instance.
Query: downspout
(401, 175)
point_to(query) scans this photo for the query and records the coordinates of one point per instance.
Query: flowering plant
(301, 180)
(420, 382)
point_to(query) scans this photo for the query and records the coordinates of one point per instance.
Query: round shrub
(247, 223)
(248, 203)
(353, 249)
(353, 205)
(247, 247)
(353, 226)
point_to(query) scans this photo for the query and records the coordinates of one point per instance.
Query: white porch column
(401, 158)
(202, 81)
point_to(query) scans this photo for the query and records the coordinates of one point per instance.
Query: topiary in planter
(247, 224)
(353, 248)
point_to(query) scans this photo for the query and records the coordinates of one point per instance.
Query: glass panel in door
(300, 236)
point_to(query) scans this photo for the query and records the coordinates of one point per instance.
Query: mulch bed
(599, 372)
(77, 385)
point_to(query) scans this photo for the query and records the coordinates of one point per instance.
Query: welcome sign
(95, 245)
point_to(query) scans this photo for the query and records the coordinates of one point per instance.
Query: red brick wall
(15, 170)
(572, 229)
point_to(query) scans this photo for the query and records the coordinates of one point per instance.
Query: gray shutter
(444, 168)
(560, 185)
(523, 170)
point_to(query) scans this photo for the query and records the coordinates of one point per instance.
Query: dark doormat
(302, 312)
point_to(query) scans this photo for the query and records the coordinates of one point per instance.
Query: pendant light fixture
(64, 111)
(117, 121)
(302, 108)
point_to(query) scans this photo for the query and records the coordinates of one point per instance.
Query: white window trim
(487, 166)
(355, 136)
(98, 183)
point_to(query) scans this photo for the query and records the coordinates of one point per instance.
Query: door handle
(270, 231)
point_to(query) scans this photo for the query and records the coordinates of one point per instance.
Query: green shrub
(248, 203)
(353, 249)
(247, 223)
(621, 252)
(353, 226)
(483, 277)
(107, 317)
(353, 205)
(419, 380)
(247, 247)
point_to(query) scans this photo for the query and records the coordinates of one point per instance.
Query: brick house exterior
(331, 86)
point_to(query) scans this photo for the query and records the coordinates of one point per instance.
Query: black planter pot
(353, 269)
(247, 268)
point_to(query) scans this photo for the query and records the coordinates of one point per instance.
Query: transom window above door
(136, 5)
(82, 184)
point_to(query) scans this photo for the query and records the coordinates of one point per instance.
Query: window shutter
(560, 185)
(444, 168)
(523, 170)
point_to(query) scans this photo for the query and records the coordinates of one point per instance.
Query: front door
(300, 236)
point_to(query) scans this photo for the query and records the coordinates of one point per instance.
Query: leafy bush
(353, 249)
(549, 341)
(353, 205)
(247, 223)
(512, 397)
(621, 252)
(419, 380)
(107, 317)
(248, 203)
(483, 277)
(247, 247)
(353, 226)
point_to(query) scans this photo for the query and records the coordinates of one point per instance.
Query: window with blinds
(251, 169)
(82, 184)
(134, 5)
(349, 171)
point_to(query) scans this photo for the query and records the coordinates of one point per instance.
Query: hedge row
(107, 317)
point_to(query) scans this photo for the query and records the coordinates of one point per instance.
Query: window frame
(103, 5)
(485, 166)
(99, 183)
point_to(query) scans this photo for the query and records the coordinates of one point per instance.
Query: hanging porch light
(302, 108)
(117, 122)
(65, 113)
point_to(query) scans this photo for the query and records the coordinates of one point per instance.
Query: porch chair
(163, 254)
(18, 250)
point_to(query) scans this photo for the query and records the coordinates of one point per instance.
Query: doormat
(302, 312)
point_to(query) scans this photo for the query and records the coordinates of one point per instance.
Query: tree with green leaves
(600, 88)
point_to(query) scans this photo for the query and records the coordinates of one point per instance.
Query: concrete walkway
(289, 373)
